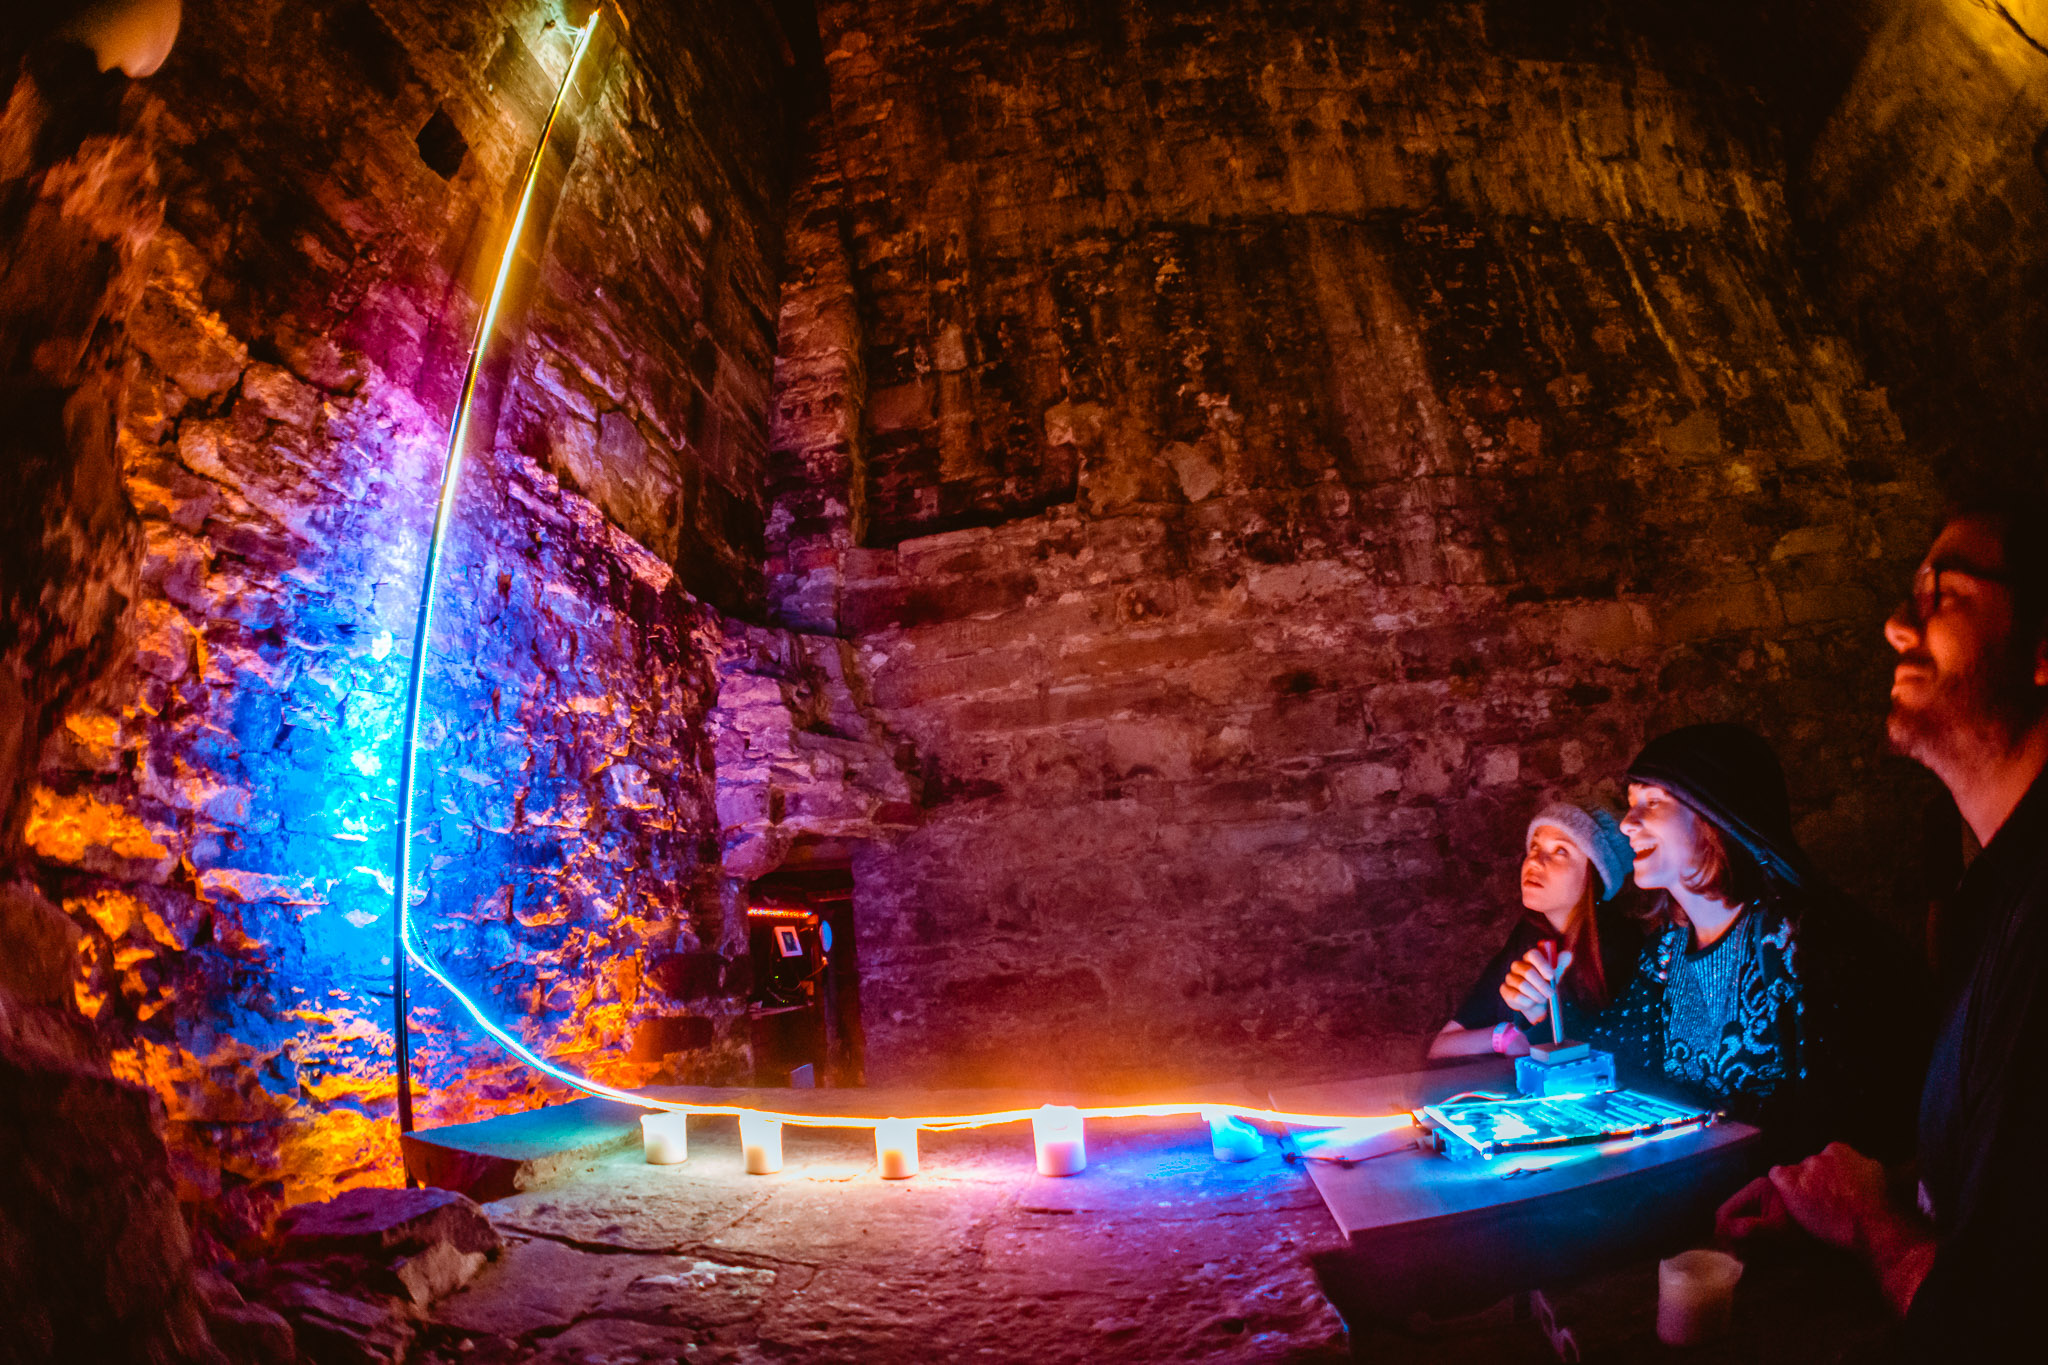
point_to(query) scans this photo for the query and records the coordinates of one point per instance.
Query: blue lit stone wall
(286, 335)
(226, 826)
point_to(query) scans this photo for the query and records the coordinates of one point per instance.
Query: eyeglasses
(1924, 601)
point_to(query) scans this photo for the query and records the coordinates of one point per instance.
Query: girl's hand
(1531, 983)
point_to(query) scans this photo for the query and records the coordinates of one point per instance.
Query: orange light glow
(953, 1123)
(70, 829)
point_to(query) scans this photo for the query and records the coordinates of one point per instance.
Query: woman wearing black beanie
(1753, 991)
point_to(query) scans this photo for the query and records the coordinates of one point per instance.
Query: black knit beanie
(1729, 774)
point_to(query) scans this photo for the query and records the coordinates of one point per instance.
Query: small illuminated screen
(1495, 1127)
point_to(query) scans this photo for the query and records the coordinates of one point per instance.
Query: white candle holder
(1060, 1140)
(1695, 1296)
(665, 1137)
(896, 1149)
(761, 1141)
(1232, 1139)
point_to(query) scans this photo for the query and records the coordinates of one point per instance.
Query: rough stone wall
(817, 430)
(800, 754)
(1294, 439)
(1927, 194)
(216, 822)
(95, 1262)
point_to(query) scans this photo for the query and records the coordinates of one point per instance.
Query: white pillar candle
(665, 1137)
(1695, 1294)
(1062, 1145)
(1232, 1139)
(761, 1140)
(896, 1148)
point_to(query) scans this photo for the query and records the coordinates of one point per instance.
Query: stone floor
(1156, 1253)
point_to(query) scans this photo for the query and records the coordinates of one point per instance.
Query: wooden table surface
(1428, 1234)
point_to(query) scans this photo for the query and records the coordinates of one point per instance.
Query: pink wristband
(1500, 1036)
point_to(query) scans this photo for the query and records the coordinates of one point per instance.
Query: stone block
(1364, 784)
(558, 375)
(1850, 603)
(913, 684)
(185, 339)
(1497, 766)
(435, 1273)
(688, 976)
(96, 835)
(1693, 438)
(337, 1329)
(1812, 540)
(657, 1038)
(1605, 629)
(496, 1157)
(275, 394)
(42, 947)
(318, 359)
(1145, 654)
(375, 1222)
(247, 1333)
(96, 1264)
(250, 1334)
(1194, 467)
(1729, 609)
(164, 640)
(1161, 748)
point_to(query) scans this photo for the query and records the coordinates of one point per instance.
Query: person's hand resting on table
(1837, 1196)
(1531, 983)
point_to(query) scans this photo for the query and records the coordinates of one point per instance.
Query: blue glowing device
(1564, 1069)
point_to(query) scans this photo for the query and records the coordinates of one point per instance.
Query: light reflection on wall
(219, 823)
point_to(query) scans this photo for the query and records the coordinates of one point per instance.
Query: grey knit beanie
(1598, 836)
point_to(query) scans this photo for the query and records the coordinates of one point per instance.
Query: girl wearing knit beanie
(1573, 864)
(1752, 991)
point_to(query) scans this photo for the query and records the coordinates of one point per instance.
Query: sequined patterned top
(1776, 1023)
(1723, 1019)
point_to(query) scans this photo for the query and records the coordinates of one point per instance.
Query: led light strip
(444, 513)
(404, 949)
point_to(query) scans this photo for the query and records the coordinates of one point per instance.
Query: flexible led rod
(444, 513)
(404, 949)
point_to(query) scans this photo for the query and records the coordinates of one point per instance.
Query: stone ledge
(501, 1156)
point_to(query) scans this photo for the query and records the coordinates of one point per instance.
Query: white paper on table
(1357, 1144)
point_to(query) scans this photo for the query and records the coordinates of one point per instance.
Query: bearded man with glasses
(1964, 1257)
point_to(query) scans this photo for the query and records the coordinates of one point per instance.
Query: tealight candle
(1062, 1144)
(761, 1140)
(1232, 1139)
(665, 1137)
(1695, 1294)
(896, 1148)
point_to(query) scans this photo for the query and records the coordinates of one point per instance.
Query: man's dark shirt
(1984, 1110)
